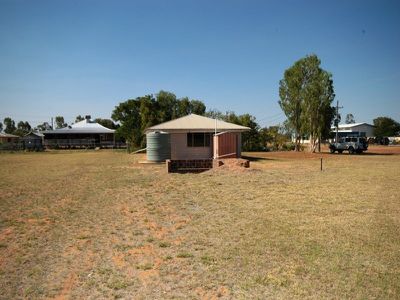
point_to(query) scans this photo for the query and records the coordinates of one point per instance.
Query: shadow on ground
(256, 158)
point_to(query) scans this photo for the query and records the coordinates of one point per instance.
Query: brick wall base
(188, 165)
(200, 165)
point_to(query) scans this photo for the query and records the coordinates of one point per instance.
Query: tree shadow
(256, 158)
(378, 154)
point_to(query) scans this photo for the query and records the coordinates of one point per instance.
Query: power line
(271, 117)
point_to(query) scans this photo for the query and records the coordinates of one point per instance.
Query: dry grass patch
(99, 225)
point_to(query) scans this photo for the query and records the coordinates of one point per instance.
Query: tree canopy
(350, 119)
(386, 127)
(22, 128)
(106, 123)
(9, 125)
(44, 126)
(60, 122)
(135, 115)
(79, 118)
(306, 94)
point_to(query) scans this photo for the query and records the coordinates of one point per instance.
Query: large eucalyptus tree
(306, 94)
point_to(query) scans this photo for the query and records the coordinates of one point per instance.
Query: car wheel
(351, 150)
(340, 151)
(332, 150)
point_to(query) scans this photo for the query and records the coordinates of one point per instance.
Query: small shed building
(33, 141)
(194, 137)
(83, 134)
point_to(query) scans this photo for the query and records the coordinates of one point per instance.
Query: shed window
(200, 139)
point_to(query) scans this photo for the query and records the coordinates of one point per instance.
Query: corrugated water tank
(158, 146)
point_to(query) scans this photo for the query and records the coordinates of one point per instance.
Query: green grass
(95, 224)
(184, 255)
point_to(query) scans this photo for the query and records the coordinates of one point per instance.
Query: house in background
(83, 134)
(345, 130)
(9, 141)
(194, 137)
(355, 129)
(8, 138)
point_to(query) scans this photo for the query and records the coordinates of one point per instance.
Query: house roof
(7, 135)
(36, 133)
(352, 125)
(197, 123)
(85, 126)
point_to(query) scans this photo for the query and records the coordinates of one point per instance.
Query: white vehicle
(351, 144)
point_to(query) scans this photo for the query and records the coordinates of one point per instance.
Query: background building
(83, 134)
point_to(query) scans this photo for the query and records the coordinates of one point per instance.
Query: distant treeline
(131, 117)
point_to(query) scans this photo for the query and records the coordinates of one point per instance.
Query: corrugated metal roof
(352, 125)
(7, 135)
(195, 122)
(39, 134)
(84, 126)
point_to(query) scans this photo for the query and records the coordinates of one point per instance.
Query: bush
(288, 147)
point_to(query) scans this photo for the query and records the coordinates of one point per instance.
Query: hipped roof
(84, 126)
(197, 123)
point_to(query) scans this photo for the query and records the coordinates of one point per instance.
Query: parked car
(351, 144)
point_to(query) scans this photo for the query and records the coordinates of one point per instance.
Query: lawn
(97, 224)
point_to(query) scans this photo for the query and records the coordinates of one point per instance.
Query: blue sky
(84, 57)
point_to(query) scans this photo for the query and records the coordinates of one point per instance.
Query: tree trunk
(313, 144)
(319, 143)
(297, 144)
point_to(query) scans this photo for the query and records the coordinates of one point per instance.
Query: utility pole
(52, 124)
(337, 120)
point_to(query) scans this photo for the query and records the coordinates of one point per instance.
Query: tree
(274, 137)
(350, 119)
(148, 114)
(10, 125)
(78, 118)
(60, 122)
(135, 115)
(184, 107)
(167, 106)
(22, 128)
(384, 127)
(251, 140)
(291, 101)
(215, 114)
(44, 126)
(306, 93)
(197, 107)
(1, 127)
(128, 114)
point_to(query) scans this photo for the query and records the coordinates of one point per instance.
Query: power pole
(337, 120)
